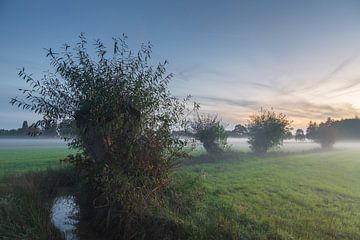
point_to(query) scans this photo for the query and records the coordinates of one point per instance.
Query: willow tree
(210, 132)
(122, 114)
(266, 130)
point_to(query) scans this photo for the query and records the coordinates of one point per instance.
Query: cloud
(220, 100)
(326, 79)
(184, 74)
(297, 109)
(339, 68)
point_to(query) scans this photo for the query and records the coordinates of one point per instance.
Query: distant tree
(34, 130)
(289, 135)
(210, 132)
(266, 130)
(240, 130)
(311, 130)
(50, 129)
(299, 135)
(325, 133)
(123, 113)
(67, 129)
(25, 126)
(347, 129)
(24, 130)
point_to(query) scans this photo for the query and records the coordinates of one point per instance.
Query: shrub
(123, 115)
(266, 130)
(324, 133)
(209, 131)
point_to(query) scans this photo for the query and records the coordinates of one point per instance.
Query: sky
(300, 57)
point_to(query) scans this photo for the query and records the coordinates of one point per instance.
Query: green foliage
(123, 114)
(266, 130)
(210, 132)
(324, 133)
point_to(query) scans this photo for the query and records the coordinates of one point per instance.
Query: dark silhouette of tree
(240, 130)
(50, 129)
(299, 135)
(311, 130)
(123, 115)
(289, 135)
(347, 129)
(26, 130)
(209, 131)
(25, 126)
(266, 130)
(325, 133)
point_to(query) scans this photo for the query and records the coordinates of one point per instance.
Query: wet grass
(300, 196)
(26, 200)
(30, 177)
(305, 195)
(14, 161)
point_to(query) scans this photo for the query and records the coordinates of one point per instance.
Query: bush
(324, 133)
(209, 131)
(123, 115)
(266, 130)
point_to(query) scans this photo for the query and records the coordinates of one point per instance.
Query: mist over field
(31, 142)
(180, 120)
(239, 144)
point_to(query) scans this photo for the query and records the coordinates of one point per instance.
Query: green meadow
(24, 159)
(304, 195)
(300, 196)
(22, 155)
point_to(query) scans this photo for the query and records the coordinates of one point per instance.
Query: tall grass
(187, 213)
(25, 203)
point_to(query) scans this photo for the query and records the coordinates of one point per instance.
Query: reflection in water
(63, 216)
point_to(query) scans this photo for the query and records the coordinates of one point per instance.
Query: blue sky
(298, 57)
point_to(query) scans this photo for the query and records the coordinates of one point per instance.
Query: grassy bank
(26, 200)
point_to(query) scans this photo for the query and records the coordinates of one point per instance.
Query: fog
(236, 144)
(31, 143)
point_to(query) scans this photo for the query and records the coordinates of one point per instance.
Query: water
(63, 215)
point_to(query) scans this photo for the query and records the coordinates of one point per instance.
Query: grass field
(300, 196)
(305, 196)
(21, 155)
